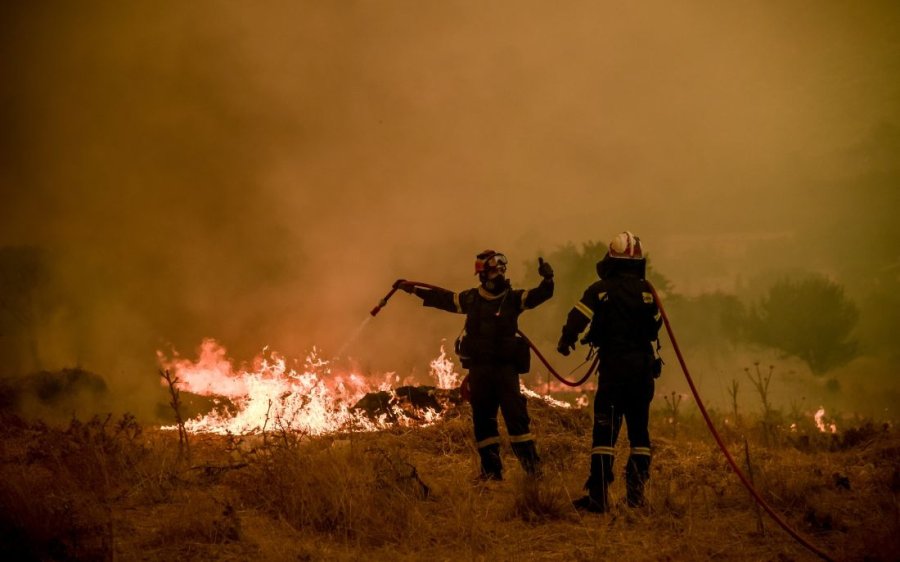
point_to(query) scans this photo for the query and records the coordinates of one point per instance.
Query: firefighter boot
(491, 465)
(637, 472)
(597, 500)
(526, 452)
(597, 485)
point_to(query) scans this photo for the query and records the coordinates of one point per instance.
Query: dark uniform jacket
(624, 321)
(491, 321)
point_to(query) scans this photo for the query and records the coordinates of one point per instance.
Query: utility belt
(630, 358)
(484, 351)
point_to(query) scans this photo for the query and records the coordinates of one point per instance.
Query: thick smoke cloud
(262, 173)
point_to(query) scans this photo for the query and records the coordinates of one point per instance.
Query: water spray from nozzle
(381, 304)
(355, 334)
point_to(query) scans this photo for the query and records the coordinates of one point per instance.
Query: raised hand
(544, 269)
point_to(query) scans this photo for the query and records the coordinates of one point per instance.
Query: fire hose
(709, 424)
(712, 429)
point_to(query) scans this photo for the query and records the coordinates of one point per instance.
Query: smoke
(262, 173)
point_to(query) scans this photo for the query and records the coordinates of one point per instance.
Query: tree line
(805, 315)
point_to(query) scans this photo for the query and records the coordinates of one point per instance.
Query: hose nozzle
(378, 306)
(381, 304)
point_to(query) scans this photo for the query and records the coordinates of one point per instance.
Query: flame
(556, 387)
(820, 422)
(313, 399)
(442, 369)
(545, 397)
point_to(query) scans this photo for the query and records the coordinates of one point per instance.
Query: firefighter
(494, 355)
(623, 322)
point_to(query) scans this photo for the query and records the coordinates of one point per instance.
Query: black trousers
(617, 401)
(495, 386)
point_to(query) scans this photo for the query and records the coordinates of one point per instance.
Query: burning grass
(111, 489)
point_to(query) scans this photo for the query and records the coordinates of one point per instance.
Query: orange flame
(545, 397)
(442, 369)
(820, 422)
(313, 399)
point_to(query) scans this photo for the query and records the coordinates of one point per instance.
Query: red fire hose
(559, 377)
(712, 429)
(734, 466)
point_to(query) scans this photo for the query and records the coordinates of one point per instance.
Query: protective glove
(564, 346)
(406, 286)
(544, 269)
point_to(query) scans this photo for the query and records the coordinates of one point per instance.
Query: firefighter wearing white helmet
(623, 322)
(494, 355)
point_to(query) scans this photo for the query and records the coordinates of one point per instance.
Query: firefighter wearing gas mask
(494, 355)
(623, 322)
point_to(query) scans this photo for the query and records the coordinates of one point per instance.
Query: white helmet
(626, 245)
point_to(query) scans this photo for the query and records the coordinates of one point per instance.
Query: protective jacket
(624, 322)
(492, 321)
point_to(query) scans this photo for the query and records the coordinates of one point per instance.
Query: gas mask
(494, 285)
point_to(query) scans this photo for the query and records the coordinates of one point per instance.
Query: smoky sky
(262, 172)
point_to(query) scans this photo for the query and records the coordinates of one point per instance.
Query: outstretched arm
(434, 297)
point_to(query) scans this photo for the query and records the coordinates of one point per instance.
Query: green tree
(708, 320)
(809, 318)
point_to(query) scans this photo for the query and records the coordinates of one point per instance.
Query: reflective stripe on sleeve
(521, 438)
(584, 309)
(645, 451)
(456, 302)
(524, 296)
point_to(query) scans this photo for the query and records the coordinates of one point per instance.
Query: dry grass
(109, 489)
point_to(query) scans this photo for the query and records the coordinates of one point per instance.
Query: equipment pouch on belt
(473, 350)
(464, 351)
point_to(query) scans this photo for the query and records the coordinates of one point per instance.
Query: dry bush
(550, 420)
(452, 437)
(156, 477)
(46, 515)
(202, 518)
(55, 484)
(199, 523)
(58, 485)
(845, 492)
(351, 490)
(103, 488)
(540, 500)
